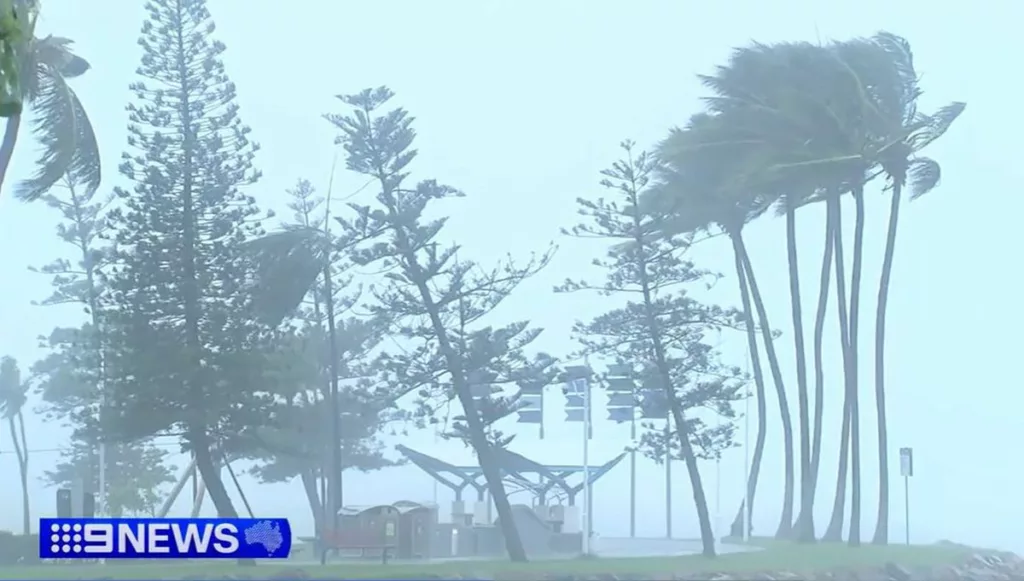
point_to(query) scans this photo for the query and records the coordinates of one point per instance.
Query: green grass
(775, 556)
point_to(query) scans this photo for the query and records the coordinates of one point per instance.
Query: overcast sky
(521, 104)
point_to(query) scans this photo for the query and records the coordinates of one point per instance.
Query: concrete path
(612, 547)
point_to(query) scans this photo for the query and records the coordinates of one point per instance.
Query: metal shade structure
(515, 468)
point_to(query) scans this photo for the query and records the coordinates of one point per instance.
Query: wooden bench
(362, 541)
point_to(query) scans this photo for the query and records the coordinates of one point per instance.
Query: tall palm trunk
(7, 146)
(736, 530)
(881, 536)
(834, 532)
(786, 520)
(805, 524)
(855, 278)
(819, 366)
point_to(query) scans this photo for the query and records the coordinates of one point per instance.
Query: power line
(54, 450)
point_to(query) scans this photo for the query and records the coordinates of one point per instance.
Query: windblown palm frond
(286, 265)
(814, 109)
(60, 123)
(924, 175)
(708, 174)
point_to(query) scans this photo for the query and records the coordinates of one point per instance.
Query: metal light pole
(632, 476)
(101, 500)
(586, 466)
(718, 499)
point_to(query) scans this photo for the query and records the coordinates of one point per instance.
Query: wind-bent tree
(910, 132)
(188, 352)
(13, 397)
(437, 300)
(824, 117)
(662, 332)
(60, 123)
(700, 183)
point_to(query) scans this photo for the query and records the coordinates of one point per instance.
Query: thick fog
(521, 104)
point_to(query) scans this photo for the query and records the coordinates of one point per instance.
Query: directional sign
(574, 415)
(528, 401)
(621, 400)
(620, 384)
(530, 416)
(573, 401)
(906, 462)
(620, 415)
(532, 387)
(619, 370)
(577, 372)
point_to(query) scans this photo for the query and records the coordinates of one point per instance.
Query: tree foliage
(187, 349)
(660, 332)
(436, 298)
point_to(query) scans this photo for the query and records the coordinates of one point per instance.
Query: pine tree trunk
(477, 437)
(881, 536)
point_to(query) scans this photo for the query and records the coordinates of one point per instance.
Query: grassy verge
(774, 556)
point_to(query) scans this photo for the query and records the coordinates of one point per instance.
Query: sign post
(906, 471)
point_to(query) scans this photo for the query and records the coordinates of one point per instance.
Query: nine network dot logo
(66, 538)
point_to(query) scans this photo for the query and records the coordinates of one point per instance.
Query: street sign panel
(906, 462)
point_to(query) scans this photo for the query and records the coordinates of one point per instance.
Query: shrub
(18, 549)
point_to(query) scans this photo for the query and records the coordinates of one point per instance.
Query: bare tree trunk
(854, 381)
(736, 530)
(786, 521)
(835, 527)
(805, 526)
(819, 362)
(881, 536)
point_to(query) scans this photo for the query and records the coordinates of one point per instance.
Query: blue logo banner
(164, 538)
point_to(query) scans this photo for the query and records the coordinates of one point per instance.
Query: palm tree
(825, 117)
(702, 184)
(774, 94)
(910, 132)
(13, 397)
(60, 122)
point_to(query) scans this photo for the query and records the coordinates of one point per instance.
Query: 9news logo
(170, 538)
(66, 538)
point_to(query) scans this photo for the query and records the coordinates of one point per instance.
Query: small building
(417, 525)
(368, 529)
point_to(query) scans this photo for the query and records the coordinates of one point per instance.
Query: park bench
(356, 540)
